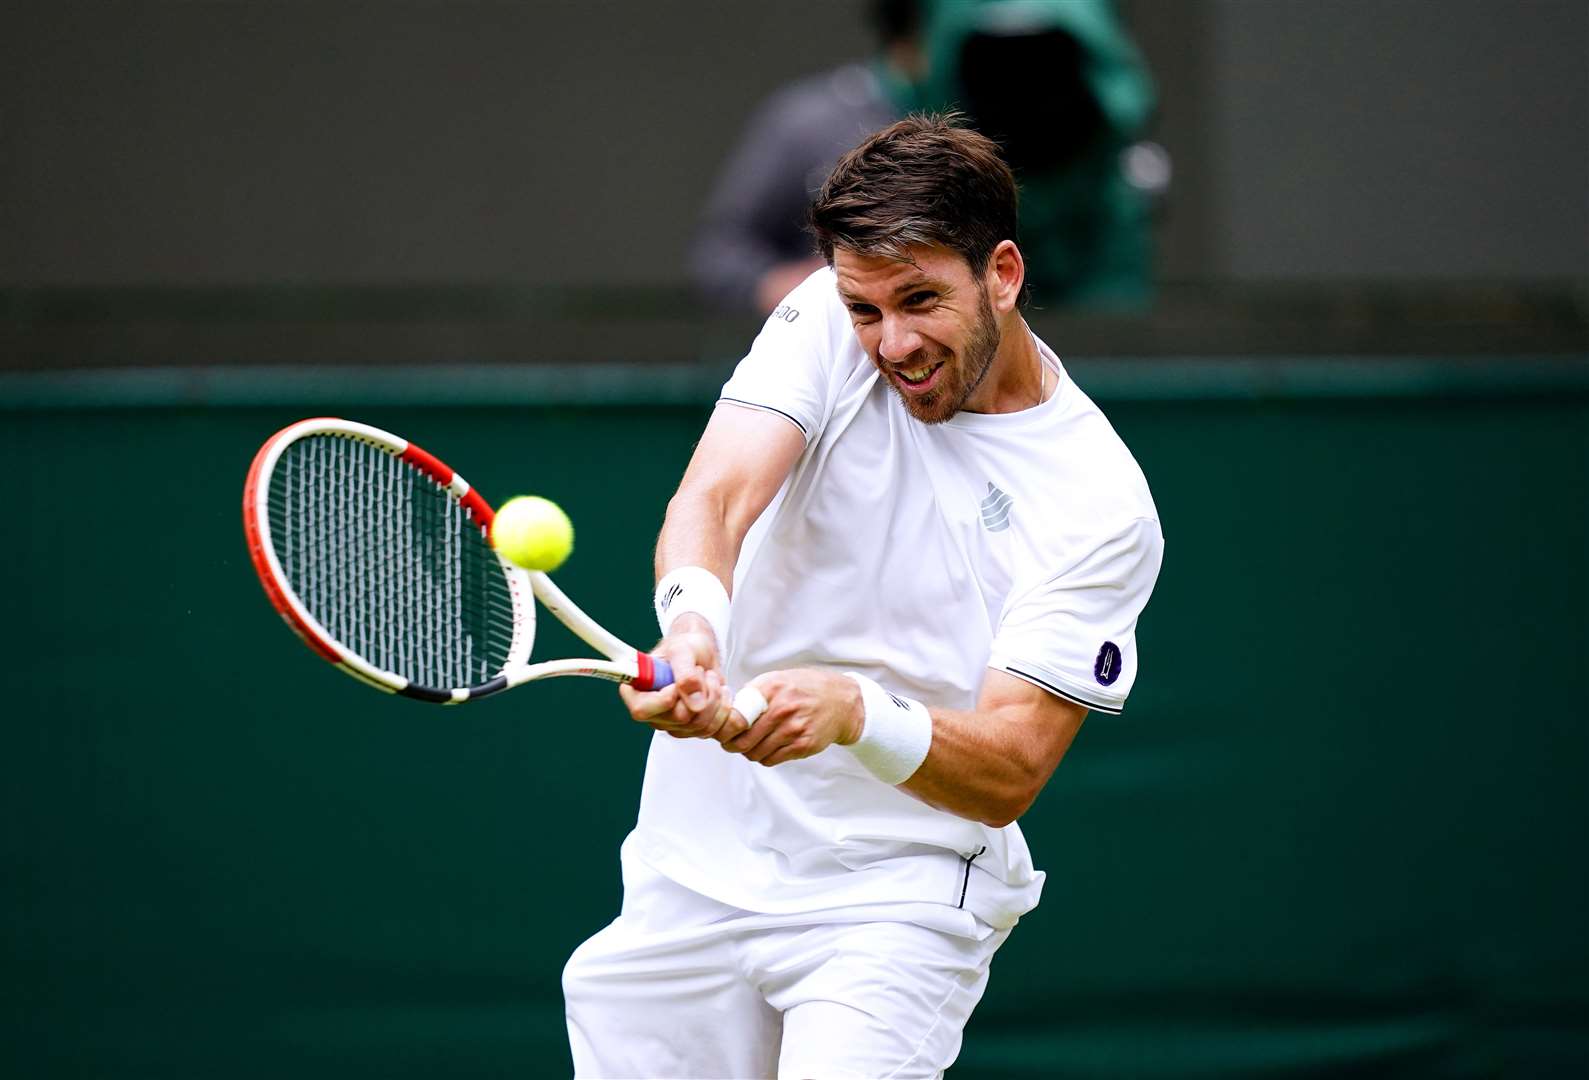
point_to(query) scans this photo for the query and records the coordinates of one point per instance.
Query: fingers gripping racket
(378, 556)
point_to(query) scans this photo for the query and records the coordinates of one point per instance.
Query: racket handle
(654, 673)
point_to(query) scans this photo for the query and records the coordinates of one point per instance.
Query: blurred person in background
(752, 246)
(1059, 84)
(1063, 90)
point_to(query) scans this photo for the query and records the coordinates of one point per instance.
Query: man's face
(928, 325)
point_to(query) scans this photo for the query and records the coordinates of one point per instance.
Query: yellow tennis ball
(533, 532)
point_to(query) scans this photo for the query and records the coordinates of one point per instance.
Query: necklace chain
(1042, 368)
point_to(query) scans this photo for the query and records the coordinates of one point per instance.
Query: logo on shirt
(996, 509)
(1106, 669)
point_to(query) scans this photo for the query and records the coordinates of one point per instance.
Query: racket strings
(389, 563)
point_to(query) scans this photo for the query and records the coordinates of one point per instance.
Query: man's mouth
(919, 378)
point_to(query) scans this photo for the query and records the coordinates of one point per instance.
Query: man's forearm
(982, 768)
(986, 764)
(742, 458)
(696, 533)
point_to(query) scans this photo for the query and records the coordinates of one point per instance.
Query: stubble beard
(965, 373)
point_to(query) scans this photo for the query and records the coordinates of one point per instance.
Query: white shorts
(680, 986)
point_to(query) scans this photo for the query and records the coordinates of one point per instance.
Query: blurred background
(1325, 266)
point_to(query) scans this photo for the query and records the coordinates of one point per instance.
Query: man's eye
(918, 299)
(863, 311)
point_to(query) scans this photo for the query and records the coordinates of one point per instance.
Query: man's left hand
(807, 711)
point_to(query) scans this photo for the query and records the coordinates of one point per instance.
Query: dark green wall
(1340, 830)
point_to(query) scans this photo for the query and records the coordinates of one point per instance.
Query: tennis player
(937, 550)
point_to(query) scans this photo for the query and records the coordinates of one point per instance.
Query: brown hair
(924, 180)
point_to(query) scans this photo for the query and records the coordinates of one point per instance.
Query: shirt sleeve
(1074, 634)
(791, 369)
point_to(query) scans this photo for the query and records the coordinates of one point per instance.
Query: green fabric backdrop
(1340, 830)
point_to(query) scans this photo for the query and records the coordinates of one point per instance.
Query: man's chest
(931, 527)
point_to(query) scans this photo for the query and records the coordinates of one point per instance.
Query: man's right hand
(696, 706)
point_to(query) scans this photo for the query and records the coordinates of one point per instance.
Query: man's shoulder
(1095, 473)
(805, 359)
(813, 307)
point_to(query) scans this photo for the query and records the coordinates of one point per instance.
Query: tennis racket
(379, 557)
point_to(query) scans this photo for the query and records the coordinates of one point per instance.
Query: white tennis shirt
(919, 555)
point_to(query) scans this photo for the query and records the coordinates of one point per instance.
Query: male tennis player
(937, 549)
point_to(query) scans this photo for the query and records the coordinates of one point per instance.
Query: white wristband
(694, 589)
(897, 735)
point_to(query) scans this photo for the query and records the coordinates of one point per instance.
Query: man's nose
(899, 339)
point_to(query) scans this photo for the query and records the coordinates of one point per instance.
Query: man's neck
(1015, 379)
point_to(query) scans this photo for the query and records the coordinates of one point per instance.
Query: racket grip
(654, 672)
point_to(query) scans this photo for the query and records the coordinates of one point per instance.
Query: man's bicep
(742, 460)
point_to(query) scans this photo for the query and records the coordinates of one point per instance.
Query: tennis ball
(532, 532)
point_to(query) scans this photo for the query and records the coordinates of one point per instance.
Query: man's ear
(1005, 277)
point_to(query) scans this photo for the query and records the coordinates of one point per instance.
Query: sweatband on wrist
(897, 735)
(693, 589)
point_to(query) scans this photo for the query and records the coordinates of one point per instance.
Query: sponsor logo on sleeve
(1106, 669)
(785, 313)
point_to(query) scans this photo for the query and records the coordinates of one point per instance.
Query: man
(938, 551)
